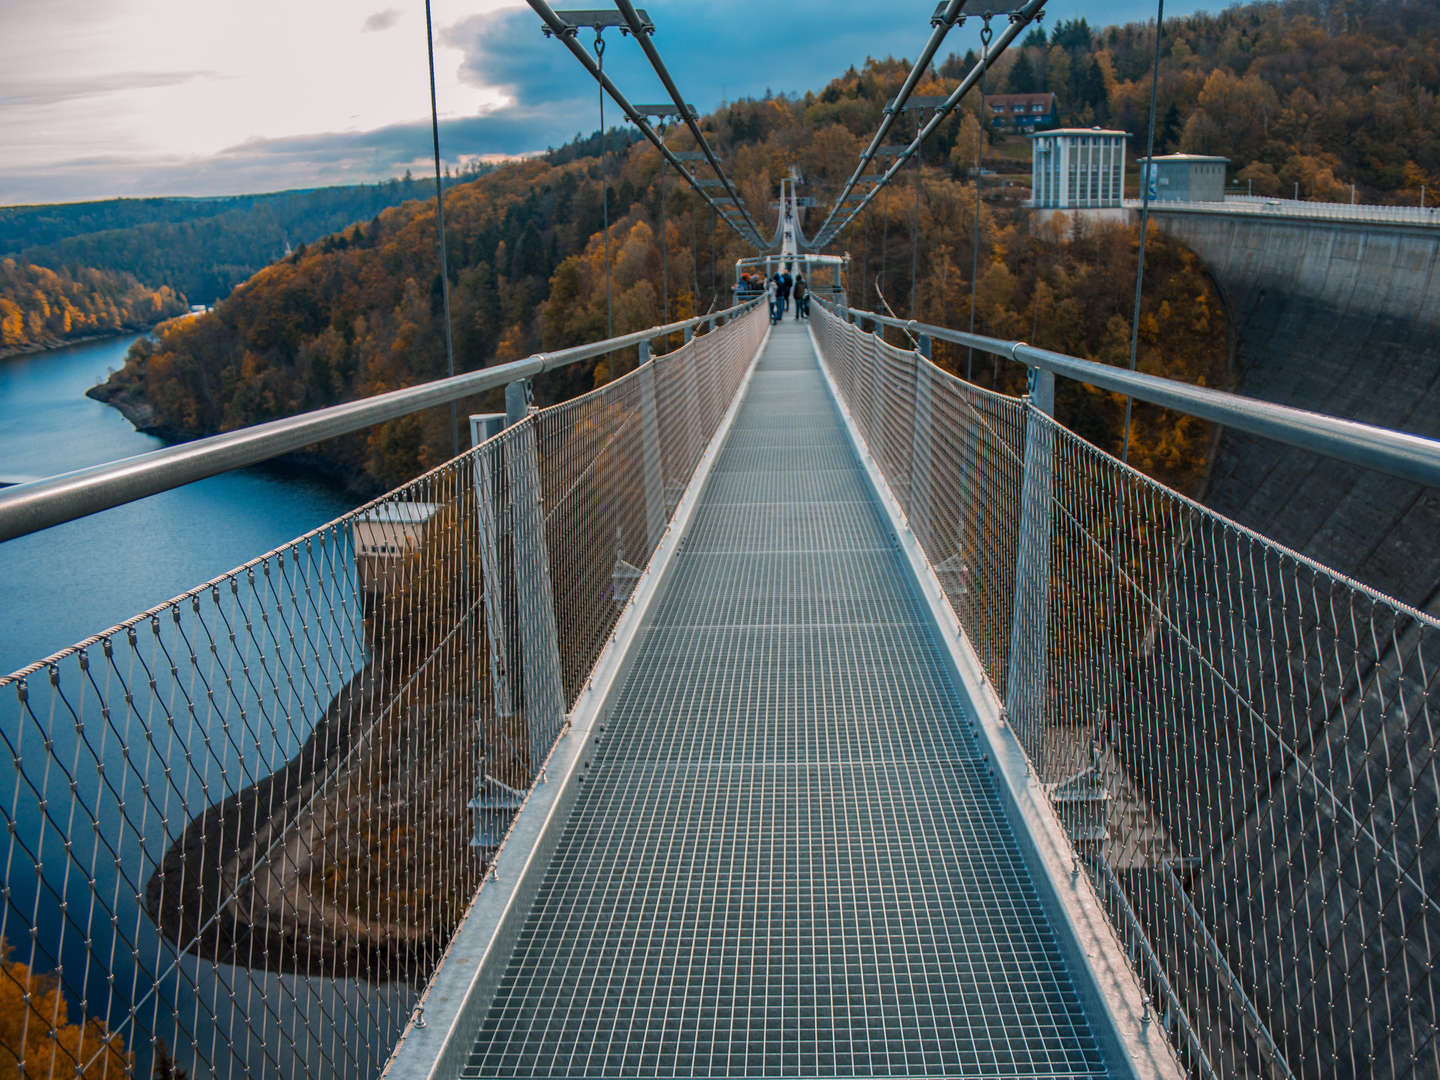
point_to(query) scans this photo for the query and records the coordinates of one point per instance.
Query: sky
(104, 98)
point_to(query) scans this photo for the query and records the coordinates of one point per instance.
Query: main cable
(642, 33)
(1019, 21)
(566, 33)
(942, 27)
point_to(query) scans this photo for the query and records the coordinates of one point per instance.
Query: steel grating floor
(788, 858)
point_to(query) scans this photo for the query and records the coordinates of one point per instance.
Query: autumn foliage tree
(39, 1038)
(40, 307)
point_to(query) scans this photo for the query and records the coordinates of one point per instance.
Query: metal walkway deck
(788, 858)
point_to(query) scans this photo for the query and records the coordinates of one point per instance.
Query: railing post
(876, 342)
(704, 354)
(655, 508)
(644, 354)
(493, 521)
(919, 509)
(539, 640)
(924, 346)
(689, 334)
(494, 801)
(1029, 621)
(517, 401)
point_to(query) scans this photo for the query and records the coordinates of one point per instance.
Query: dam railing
(1241, 744)
(242, 826)
(1277, 208)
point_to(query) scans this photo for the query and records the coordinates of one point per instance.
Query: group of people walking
(779, 288)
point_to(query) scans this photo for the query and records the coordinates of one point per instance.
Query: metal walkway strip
(787, 857)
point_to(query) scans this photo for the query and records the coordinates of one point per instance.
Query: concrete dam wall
(1342, 318)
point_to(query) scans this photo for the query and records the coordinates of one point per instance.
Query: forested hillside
(1319, 93)
(359, 313)
(202, 248)
(41, 307)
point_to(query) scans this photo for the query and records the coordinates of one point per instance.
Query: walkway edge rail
(1112, 993)
(434, 1045)
(1238, 741)
(28, 508)
(1410, 457)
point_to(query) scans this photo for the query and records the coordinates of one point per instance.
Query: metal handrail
(39, 504)
(1411, 457)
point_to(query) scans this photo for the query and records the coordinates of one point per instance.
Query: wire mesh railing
(241, 827)
(1240, 743)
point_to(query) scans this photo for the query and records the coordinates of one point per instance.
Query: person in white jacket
(772, 297)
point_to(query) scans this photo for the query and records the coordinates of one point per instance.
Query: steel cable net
(243, 826)
(1241, 744)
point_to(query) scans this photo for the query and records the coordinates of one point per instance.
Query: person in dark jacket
(785, 283)
(802, 298)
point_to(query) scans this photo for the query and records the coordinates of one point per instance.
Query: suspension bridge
(786, 706)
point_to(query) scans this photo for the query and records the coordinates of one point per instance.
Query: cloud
(715, 51)
(319, 160)
(76, 127)
(56, 91)
(381, 20)
(505, 49)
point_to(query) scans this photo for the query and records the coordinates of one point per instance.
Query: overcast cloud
(382, 20)
(160, 97)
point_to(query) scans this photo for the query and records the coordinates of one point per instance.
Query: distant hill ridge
(202, 248)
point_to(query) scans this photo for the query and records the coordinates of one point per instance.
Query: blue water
(65, 583)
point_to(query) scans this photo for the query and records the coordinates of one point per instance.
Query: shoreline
(141, 416)
(208, 894)
(10, 352)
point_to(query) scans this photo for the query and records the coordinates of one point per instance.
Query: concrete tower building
(1076, 168)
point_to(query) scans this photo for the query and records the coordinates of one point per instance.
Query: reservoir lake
(65, 583)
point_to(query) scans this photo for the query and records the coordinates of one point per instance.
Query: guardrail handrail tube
(30, 507)
(1411, 457)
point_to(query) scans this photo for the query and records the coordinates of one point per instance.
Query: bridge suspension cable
(642, 31)
(948, 18)
(440, 226)
(567, 32)
(1019, 20)
(1144, 218)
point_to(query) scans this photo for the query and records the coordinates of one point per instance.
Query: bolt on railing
(242, 826)
(1240, 743)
